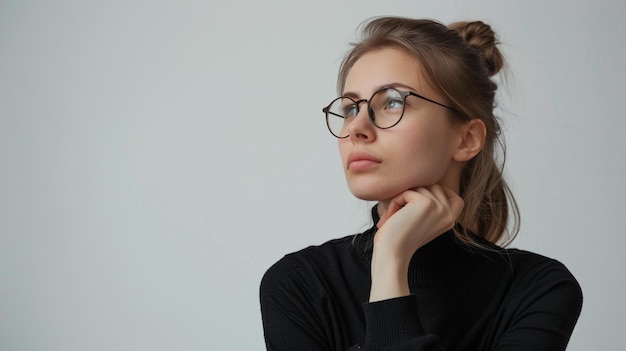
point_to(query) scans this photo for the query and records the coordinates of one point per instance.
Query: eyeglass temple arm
(327, 111)
(433, 101)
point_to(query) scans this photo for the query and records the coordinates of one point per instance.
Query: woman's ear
(471, 140)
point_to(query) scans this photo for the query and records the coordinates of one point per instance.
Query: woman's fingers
(395, 205)
(439, 195)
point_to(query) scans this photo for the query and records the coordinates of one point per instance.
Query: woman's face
(382, 163)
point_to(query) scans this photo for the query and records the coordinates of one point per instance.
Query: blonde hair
(458, 61)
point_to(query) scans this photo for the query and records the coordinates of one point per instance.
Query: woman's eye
(393, 104)
(350, 110)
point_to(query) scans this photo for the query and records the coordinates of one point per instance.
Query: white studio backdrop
(156, 157)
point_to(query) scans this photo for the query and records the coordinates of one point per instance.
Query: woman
(417, 134)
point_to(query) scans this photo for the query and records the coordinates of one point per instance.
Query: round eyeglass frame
(403, 93)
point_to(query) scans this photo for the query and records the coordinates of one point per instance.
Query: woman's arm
(410, 221)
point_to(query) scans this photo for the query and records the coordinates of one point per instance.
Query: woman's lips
(360, 161)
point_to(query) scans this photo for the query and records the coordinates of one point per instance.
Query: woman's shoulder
(525, 270)
(536, 271)
(520, 262)
(316, 258)
(339, 251)
(534, 276)
(531, 263)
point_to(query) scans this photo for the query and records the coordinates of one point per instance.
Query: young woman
(417, 134)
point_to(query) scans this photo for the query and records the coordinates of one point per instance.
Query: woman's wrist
(389, 276)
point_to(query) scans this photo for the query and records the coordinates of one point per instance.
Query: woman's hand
(415, 217)
(410, 221)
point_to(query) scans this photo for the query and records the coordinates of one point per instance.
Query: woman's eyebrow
(398, 85)
(350, 95)
(388, 85)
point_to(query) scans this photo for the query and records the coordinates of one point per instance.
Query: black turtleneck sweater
(462, 298)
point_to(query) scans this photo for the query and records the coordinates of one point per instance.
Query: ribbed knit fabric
(388, 323)
(463, 298)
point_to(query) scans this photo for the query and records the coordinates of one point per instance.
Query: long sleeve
(394, 325)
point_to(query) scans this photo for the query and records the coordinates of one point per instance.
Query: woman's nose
(361, 126)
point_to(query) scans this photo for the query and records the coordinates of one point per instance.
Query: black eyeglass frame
(370, 112)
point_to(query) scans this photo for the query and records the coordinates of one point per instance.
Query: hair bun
(480, 36)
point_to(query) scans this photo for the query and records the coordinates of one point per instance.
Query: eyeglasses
(385, 109)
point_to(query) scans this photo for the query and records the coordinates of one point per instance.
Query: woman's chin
(370, 194)
(366, 197)
(372, 191)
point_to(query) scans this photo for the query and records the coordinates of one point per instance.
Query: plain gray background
(158, 156)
